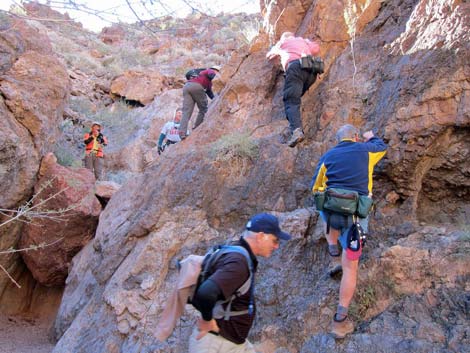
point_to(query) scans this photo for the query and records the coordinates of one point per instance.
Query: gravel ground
(21, 335)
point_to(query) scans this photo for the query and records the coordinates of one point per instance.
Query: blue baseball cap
(266, 223)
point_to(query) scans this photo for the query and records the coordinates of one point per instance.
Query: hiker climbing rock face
(226, 329)
(94, 143)
(296, 54)
(170, 132)
(199, 85)
(342, 187)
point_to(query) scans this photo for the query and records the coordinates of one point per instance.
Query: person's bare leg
(348, 281)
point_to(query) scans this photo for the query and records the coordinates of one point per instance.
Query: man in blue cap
(231, 272)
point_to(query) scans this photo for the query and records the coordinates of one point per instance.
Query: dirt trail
(22, 335)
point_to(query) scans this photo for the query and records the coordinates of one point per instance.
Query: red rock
(139, 86)
(112, 35)
(74, 191)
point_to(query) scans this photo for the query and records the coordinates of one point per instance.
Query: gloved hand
(160, 150)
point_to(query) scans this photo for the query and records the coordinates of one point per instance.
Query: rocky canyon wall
(408, 80)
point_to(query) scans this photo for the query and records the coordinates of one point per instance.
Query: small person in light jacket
(170, 132)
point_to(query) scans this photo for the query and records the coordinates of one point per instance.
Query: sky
(119, 10)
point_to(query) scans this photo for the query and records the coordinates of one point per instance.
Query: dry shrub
(235, 152)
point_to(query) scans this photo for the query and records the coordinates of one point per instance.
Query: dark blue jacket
(349, 165)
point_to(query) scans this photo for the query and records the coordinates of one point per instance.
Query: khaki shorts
(217, 344)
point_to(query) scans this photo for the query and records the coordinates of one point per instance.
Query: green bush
(129, 58)
(66, 156)
(234, 146)
(81, 105)
(119, 123)
(102, 48)
(365, 298)
(82, 61)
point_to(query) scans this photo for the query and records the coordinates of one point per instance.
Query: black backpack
(193, 73)
(207, 269)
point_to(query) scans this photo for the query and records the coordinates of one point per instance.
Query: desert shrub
(66, 155)
(101, 47)
(119, 177)
(180, 71)
(163, 58)
(119, 123)
(62, 45)
(81, 105)
(214, 58)
(199, 55)
(364, 299)
(235, 145)
(5, 20)
(82, 61)
(179, 51)
(115, 115)
(128, 58)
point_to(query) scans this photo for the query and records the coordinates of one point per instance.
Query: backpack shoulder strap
(238, 249)
(249, 285)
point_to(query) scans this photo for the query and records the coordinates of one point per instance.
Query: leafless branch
(10, 277)
(32, 247)
(140, 20)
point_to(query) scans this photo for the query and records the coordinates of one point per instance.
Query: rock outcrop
(64, 216)
(204, 189)
(141, 87)
(31, 108)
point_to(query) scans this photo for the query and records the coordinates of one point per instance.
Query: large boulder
(64, 215)
(31, 108)
(141, 87)
(113, 35)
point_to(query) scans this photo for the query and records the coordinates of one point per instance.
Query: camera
(100, 139)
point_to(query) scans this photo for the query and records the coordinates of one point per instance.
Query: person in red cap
(94, 142)
(347, 166)
(232, 271)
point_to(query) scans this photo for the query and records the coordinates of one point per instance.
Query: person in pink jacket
(290, 49)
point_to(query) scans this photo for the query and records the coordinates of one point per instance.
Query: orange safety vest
(94, 146)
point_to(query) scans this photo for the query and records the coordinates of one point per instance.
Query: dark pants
(297, 82)
(193, 93)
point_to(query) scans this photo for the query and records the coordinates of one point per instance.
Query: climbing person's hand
(205, 326)
(367, 135)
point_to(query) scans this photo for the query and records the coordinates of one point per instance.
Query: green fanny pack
(343, 201)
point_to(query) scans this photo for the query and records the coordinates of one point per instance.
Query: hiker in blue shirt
(347, 166)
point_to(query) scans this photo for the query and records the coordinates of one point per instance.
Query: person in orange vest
(94, 143)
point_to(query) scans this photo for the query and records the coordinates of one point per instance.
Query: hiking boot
(341, 329)
(297, 136)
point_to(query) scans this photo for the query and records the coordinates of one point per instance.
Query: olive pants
(95, 164)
